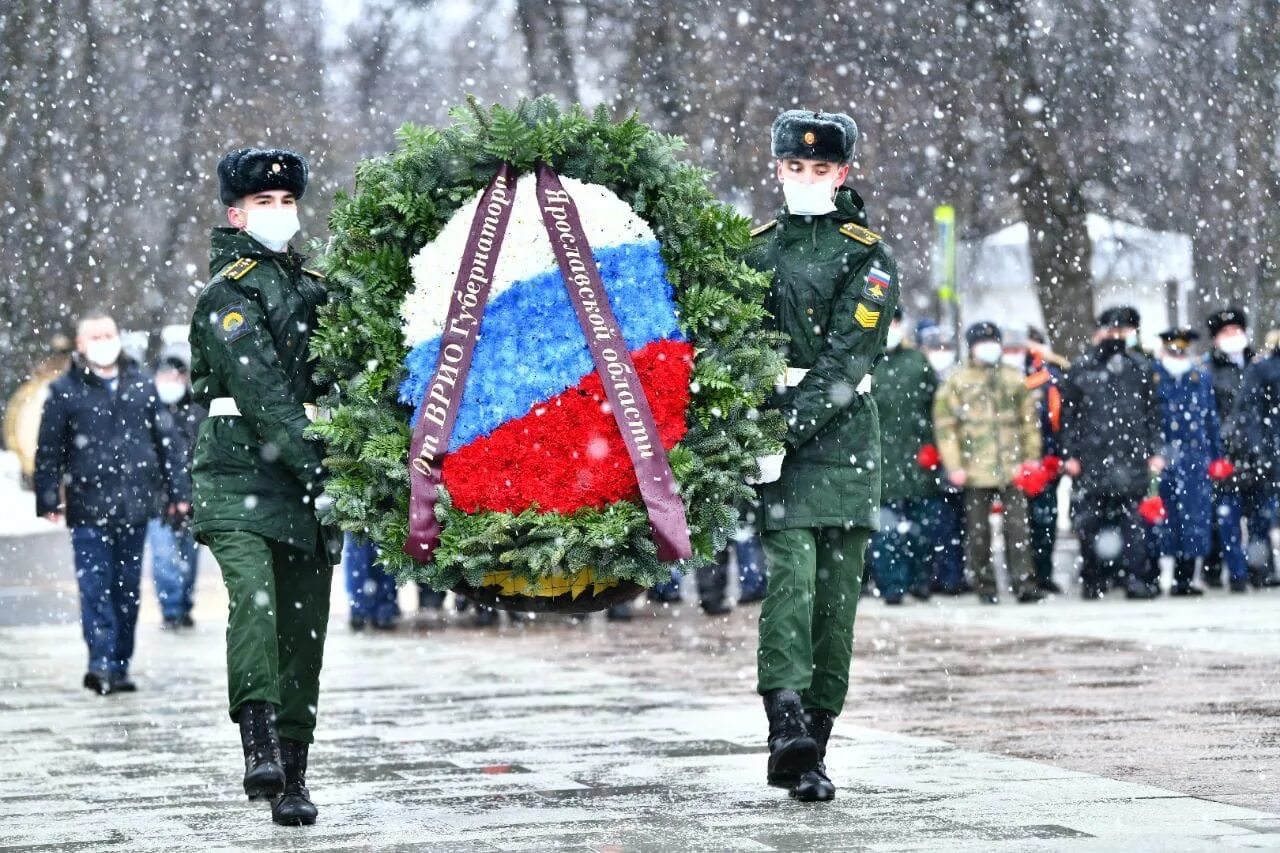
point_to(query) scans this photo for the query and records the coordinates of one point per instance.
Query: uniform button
(809, 311)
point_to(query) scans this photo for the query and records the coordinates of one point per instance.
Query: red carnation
(1152, 510)
(1031, 478)
(928, 457)
(1052, 466)
(1221, 469)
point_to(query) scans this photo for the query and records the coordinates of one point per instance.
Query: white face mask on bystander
(987, 352)
(103, 353)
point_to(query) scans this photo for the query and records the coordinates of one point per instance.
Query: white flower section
(607, 219)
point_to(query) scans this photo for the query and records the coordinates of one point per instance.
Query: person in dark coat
(1046, 371)
(902, 549)
(1257, 428)
(1111, 440)
(1241, 498)
(1191, 442)
(173, 546)
(104, 444)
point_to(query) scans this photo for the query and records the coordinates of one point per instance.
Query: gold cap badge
(810, 137)
(276, 167)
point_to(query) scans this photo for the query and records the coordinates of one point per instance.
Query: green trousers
(806, 622)
(279, 611)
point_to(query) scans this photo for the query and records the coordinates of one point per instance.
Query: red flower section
(928, 457)
(1152, 510)
(1031, 478)
(567, 453)
(1221, 469)
(1052, 466)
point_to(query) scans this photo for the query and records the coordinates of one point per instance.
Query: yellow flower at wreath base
(551, 586)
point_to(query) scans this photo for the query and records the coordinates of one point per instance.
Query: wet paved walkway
(1067, 726)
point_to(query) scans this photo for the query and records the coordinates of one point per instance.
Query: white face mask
(1015, 359)
(894, 338)
(987, 352)
(1233, 344)
(1176, 364)
(809, 199)
(103, 353)
(170, 392)
(940, 359)
(1131, 340)
(273, 227)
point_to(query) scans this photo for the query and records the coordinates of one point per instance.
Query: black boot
(294, 807)
(791, 751)
(263, 774)
(815, 785)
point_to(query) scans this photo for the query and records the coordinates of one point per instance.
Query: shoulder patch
(863, 235)
(230, 323)
(877, 286)
(866, 317)
(763, 229)
(238, 269)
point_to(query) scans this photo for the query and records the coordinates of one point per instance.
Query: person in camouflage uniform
(835, 287)
(257, 479)
(985, 420)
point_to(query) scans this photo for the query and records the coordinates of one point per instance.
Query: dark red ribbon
(627, 400)
(443, 396)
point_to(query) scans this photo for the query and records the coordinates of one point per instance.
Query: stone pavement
(1009, 728)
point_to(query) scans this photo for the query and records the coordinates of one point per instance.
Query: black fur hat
(1227, 317)
(253, 170)
(805, 135)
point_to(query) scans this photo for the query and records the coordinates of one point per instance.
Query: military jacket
(253, 320)
(834, 289)
(986, 422)
(904, 387)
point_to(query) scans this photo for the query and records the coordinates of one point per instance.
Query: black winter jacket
(111, 452)
(1111, 422)
(1257, 415)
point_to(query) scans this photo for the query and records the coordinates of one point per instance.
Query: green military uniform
(905, 384)
(834, 289)
(256, 477)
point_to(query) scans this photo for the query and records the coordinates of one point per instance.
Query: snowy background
(1159, 114)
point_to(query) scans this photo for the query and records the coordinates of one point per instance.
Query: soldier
(1241, 497)
(902, 550)
(835, 286)
(257, 478)
(1111, 440)
(985, 420)
(1191, 444)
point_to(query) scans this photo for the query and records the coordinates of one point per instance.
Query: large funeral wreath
(540, 505)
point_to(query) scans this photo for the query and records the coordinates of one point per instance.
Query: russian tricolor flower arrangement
(538, 504)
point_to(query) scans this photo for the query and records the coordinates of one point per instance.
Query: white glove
(770, 469)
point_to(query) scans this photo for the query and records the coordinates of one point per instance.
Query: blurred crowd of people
(1170, 455)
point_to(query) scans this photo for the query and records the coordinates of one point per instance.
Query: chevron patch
(865, 317)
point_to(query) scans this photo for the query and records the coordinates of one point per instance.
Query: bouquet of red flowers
(928, 457)
(1221, 469)
(1152, 508)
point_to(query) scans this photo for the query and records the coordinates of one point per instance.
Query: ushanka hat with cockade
(807, 135)
(246, 171)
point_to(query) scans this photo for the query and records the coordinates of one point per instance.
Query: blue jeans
(173, 567)
(109, 574)
(371, 591)
(1257, 511)
(902, 549)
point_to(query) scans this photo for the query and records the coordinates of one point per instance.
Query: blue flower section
(531, 347)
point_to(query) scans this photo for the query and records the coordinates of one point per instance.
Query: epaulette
(856, 232)
(314, 273)
(763, 229)
(237, 269)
